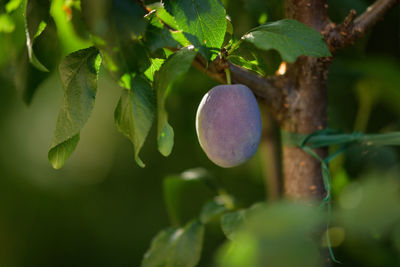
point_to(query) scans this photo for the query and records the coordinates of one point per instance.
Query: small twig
(143, 5)
(228, 76)
(348, 21)
(352, 28)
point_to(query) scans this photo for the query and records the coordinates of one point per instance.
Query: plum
(228, 124)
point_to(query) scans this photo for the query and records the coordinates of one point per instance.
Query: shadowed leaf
(36, 19)
(176, 247)
(116, 26)
(135, 113)
(78, 73)
(176, 65)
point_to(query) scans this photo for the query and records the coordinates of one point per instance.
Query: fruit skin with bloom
(228, 124)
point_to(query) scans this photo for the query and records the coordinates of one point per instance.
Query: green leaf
(203, 23)
(176, 65)
(248, 56)
(163, 15)
(78, 72)
(176, 247)
(7, 25)
(175, 186)
(180, 38)
(61, 152)
(37, 14)
(187, 248)
(135, 113)
(160, 249)
(280, 235)
(12, 5)
(156, 64)
(169, 20)
(231, 221)
(27, 77)
(290, 38)
(253, 65)
(159, 37)
(212, 209)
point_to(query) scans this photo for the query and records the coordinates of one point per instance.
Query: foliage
(290, 37)
(269, 232)
(78, 73)
(146, 52)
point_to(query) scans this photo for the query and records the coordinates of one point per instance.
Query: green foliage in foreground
(282, 234)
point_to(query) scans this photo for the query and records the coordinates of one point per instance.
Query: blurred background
(101, 209)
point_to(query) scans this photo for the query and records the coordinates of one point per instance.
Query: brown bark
(352, 28)
(307, 113)
(307, 107)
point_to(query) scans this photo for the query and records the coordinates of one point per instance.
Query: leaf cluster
(144, 48)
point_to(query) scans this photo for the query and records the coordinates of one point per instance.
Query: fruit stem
(228, 76)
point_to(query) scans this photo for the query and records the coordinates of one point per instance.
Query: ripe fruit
(228, 124)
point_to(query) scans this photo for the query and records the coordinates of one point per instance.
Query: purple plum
(228, 124)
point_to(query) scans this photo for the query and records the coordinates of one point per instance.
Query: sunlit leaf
(202, 21)
(157, 36)
(253, 65)
(12, 5)
(7, 25)
(163, 14)
(156, 64)
(290, 38)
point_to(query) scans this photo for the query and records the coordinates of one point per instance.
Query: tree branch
(270, 90)
(352, 28)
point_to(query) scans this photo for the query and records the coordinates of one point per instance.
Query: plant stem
(228, 76)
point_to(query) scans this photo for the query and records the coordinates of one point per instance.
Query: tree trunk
(307, 107)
